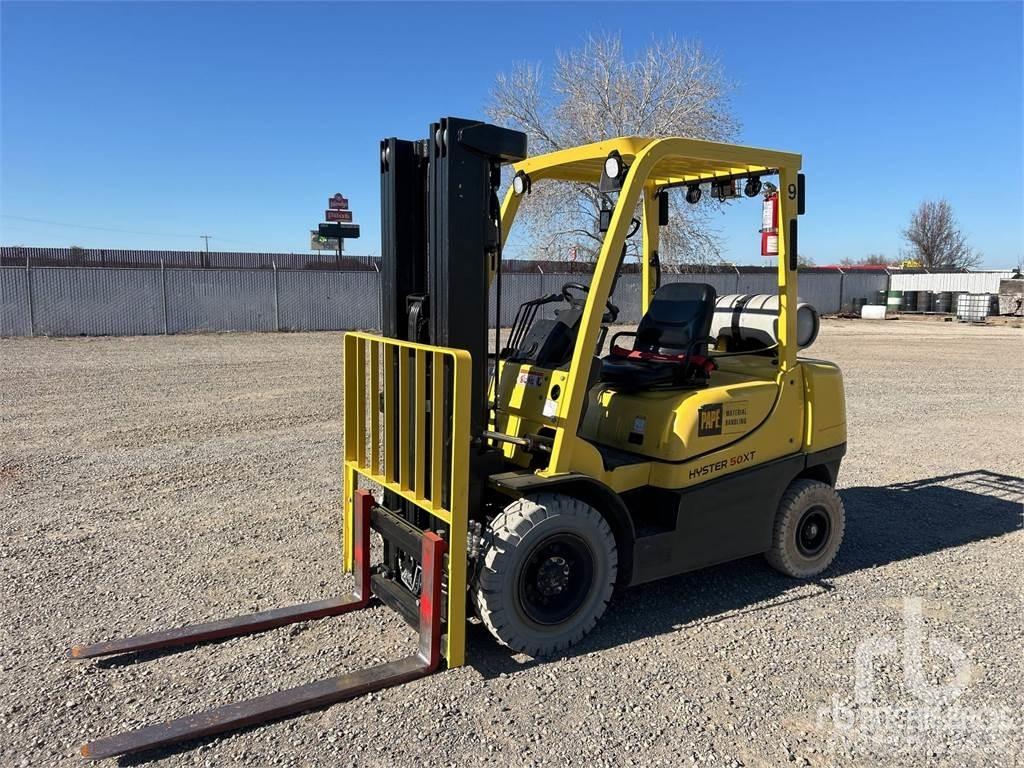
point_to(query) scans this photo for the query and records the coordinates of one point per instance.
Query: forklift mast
(440, 242)
(440, 238)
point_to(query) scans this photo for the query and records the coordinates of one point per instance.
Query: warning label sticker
(530, 379)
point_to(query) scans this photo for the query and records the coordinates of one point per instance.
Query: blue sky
(237, 120)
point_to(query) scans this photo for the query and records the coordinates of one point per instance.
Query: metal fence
(71, 301)
(75, 301)
(30, 256)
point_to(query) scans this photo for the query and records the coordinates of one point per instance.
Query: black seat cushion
(679, 314)
(673, 329)
(638, 374)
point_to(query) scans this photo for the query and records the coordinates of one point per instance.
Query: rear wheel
(547, 574)
(809, 528)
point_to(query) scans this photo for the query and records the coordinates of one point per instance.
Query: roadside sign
(339, 230)
(338, 202)
(338, 215)
(317, 242)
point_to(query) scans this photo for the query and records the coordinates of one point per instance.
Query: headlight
(613, 166)
(693, 194)
(520, 183)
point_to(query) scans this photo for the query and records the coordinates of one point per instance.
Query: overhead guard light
(521, 183)
(693, 194)
(613, 172)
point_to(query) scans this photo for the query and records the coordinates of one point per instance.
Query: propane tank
(751, 321)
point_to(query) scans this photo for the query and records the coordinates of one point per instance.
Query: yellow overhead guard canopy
(691, 159)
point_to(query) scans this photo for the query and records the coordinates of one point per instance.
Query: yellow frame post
(787, 277)
(652, 235)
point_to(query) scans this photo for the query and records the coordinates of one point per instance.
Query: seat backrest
(679, 313)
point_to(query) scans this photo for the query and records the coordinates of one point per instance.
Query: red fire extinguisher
(770, 225)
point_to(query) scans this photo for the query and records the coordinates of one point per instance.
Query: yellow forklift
(523, 482)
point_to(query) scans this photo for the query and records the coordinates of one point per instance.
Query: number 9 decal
(791, 191)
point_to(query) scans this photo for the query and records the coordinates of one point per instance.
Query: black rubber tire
(802, 498)
(515, 534)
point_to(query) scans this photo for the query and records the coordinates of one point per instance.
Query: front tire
(809, 528)
(547, 575)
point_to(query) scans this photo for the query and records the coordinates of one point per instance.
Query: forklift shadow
(883, 525)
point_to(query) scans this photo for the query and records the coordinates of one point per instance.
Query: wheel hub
(812, 533)
(553, 576)
(556, 579)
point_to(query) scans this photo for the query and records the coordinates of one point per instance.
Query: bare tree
(671, 89)
(934, 239)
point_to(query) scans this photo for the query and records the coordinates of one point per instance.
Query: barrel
(894, 301)
(993, 305)
(924, 301)
(879, 298)
(943, 302)
(858, 305)
(909, 303)
(754, 317)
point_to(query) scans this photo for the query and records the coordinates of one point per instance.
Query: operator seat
(670, 343)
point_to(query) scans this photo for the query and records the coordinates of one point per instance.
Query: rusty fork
(291, 701)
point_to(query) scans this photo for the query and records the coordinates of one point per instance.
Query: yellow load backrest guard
(378, 372)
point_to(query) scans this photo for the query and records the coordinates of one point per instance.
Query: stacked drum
(944, 302)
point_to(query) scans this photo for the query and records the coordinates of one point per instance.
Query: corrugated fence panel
(860, 285)
(328, 301)
(96, 302)
(518, 288)
(219, 300)
(758, 283)
(14, 307)
(627, 299)
(724, 283)
(821, 291)
(125, 301)
(967, 282)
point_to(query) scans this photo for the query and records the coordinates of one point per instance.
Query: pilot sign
(722, 418)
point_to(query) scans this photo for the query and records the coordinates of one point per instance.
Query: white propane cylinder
(755, 317)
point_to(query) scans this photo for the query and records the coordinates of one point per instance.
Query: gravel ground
(149, 482)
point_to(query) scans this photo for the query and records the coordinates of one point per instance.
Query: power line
(207, 238)
(91, 226)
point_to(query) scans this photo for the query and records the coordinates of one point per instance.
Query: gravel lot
(150, 482)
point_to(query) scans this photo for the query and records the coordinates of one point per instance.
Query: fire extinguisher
(770, 224)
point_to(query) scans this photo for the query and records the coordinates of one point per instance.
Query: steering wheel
(611, 312)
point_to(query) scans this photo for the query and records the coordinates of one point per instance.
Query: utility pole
(206, 258)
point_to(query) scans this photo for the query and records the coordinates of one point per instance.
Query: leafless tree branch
(934, 240)
(672, 88)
